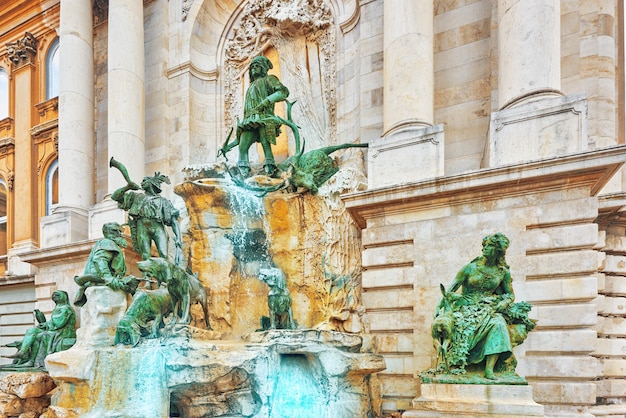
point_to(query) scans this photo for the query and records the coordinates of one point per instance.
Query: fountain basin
(275, 373)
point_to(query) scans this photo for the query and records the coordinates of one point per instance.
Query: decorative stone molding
(186, 7)
(407, 155)
(7, 146)
(23, 51)
(6, 124)
(280, 24)
(546, 128)
(10, 180)
(44, 107)
(349, 14)
(44, 131)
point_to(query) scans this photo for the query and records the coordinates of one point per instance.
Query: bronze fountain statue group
(474, 331)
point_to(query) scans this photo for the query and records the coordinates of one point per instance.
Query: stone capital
(23, 51)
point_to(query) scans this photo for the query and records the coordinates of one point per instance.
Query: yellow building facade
(29, 71)
(480, 115)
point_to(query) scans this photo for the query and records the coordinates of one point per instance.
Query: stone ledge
(449, 400)
(592, 169)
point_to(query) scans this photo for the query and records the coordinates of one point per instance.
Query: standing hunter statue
(148, 214)
(305, 171)
(259, 123)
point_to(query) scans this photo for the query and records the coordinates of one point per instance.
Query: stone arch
(214, 27)
(302, 35)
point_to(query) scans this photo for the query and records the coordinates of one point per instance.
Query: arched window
(52, 186)
(3, 217)
(52, 71)
(4, 94)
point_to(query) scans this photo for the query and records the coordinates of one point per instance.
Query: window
(3, 217)
(52, 186)
(52, 71)
(4, 94)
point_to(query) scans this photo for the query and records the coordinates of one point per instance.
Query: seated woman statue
(482, 323)
(56, 334)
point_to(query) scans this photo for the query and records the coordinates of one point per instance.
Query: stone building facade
(480, 115)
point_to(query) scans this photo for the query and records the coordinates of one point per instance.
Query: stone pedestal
(477, 401)
(406, 156)
(64, 226)
(100, 315)
(101, 213)
(546, 128)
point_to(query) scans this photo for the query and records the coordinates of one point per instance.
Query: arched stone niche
(224, 35)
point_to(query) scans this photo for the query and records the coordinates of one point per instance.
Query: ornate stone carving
(294, 29)
(186, 7)
(11, 180)
(23, 51)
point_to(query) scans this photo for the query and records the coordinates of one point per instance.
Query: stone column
(408, 64)
(76, 127)
(529, 58)
(535, 120)
(126, 130)
(411, 148)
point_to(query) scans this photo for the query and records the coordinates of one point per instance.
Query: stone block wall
(420, 235)
(17, 302)
(370, 72)
(463, 73)
(611, 327)
(588, 62)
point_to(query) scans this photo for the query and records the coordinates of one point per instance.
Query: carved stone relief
(303, 34)
(186, 7)
(23, 51)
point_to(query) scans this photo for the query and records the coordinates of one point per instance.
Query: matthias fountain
(253, 309)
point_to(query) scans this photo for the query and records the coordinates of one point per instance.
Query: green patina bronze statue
(475, 331)
(149, 214)
(278, 300)
(259, 123)
(106, 265)
(304, 171)
(54, 335)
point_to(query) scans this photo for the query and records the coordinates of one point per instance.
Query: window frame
(5, 73)
(52, 64)
(53, 169)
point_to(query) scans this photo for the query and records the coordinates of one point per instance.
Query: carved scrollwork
(186, 7)
(23, 51)
(10, 180)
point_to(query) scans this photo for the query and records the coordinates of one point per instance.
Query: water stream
(297, 393)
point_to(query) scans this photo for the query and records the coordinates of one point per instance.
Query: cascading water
(297, 393)
(250, 245)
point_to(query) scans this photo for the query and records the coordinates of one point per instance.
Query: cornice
(6, 124)
(7, 145)
(42, 128)
(591, 169)
(44, 107)
(44, 256)
(188, 67)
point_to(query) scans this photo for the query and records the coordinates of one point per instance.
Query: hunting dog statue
(184, 288)
(147, 306)
(278, 299)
